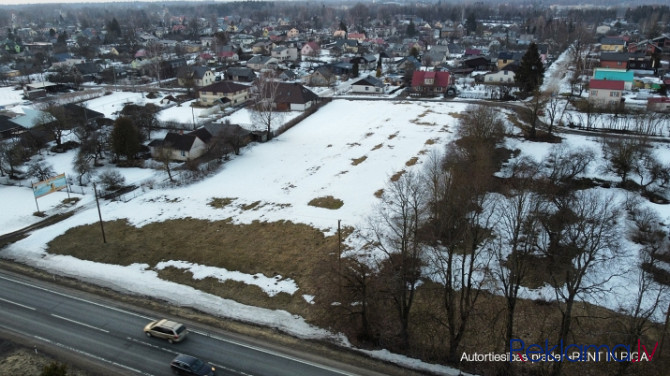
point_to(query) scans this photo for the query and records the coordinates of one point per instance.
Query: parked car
(190, 365)
(166, 329)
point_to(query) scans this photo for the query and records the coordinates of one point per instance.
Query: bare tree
(55, 120)
(394, 230)
(652, 238)
(81, 164)
(555, 107)
(459, 235)
(563, 164)
(516, 236)
(163, 155)
(580, 238)
(40, 170)
(155, 53)
(264, 114)
(623, 155)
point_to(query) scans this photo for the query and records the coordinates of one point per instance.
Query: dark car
(189, 365)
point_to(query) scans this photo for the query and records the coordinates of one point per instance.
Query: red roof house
(430, 83)
(606, 92)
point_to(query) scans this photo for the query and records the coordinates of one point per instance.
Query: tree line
(480, 248)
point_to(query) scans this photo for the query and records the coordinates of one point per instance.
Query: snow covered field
(311, 160)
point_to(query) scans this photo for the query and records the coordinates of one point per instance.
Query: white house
(368, 85)
(501, 77)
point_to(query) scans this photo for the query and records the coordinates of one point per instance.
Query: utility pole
(97, 203)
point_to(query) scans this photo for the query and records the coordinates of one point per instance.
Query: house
(409, 63)
(615, 60)
(242, 74)
(181, 147)
(32, 118)
(430, 83)
(9, 129)
(658, 104)
(368, 85)
(358, 37)
(169, 68)
(641, 61)
(292, 96)
(310, 49)
(80, 115)
(322, 76)
(605, 92)
(88, 71)
(612, 45)
(194, 75)
(434, 57)
(212, 94)
(228, 56)
(285, 53)
(260, 62)
(615, 75)
(293, 33)
(506, 58)
(262, 47)
(346, 46)
(479, 63)
(505, 76)
(288, 75)
(366, 61)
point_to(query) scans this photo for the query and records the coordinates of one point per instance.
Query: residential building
(214, 93)
(504, 76)
(606, 92)
(310, 49)
(196, 76)
(368, 85)
(627, 77)
(430, 83)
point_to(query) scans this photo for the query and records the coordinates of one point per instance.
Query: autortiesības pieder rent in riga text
(561, 352)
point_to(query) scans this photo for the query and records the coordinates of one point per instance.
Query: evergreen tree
(125, 138)
(354, 69)
(471, 24)
(530, 74)
(411, 29)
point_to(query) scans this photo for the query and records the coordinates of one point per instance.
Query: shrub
(111, 180)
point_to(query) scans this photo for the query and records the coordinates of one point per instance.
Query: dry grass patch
(357, 161)
(379, 193)
(430, 141)
(456, 115)
(378, 146)
(239, 291)
(271, 248)
(412, 161)
(352, 144)
(369, 134)
(220, 202)
(253, 206)
(397, 175)
(392, 136)
(327, 202)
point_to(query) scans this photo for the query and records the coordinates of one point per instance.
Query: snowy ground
(311, 160)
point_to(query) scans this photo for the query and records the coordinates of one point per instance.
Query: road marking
(218, 366)
(18, 304)
(275, 353)
(74, 297)
(255, 348)
(80, 323)
(99, 358)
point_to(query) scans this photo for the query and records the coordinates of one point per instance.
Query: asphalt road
(111, 336)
